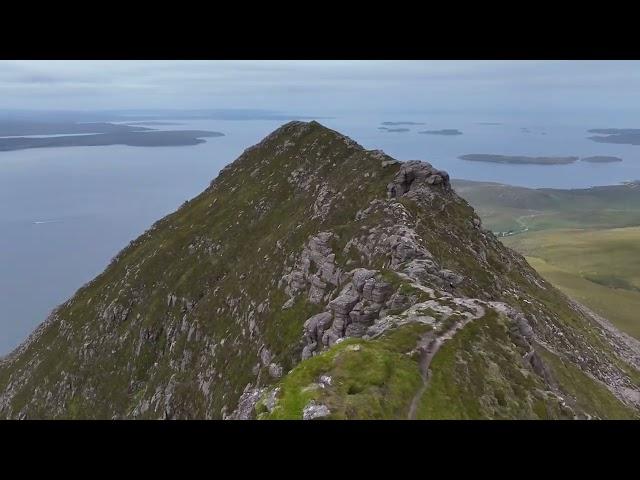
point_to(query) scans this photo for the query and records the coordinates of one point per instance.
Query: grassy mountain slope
(584, 241)
(598, 268)
(316, 279)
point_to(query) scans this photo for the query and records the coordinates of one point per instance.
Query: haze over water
(65, 212)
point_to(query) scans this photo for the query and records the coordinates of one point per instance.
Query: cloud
(319, 86)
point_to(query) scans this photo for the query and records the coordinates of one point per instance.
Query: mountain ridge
(312, 279)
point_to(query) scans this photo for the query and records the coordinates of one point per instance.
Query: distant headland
(517, 159)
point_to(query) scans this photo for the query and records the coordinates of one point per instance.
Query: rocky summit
(314, 279)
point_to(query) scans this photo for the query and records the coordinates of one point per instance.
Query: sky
(324, 87)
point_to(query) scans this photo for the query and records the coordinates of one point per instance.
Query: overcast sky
(323, 87)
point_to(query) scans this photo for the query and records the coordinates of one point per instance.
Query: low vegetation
(586, 242)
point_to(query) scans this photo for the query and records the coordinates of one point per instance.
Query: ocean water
(65, 212)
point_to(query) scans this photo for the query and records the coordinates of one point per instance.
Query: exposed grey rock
(246, 404)
(270, 399)
(397, 300)
(315, 326)
(376, 291)
(265, 356)
(308, 349)
(298, 281)
(416, 174)
(289, 303)
(356, 329)
(275, 370)
(360, 276)
(453, 278)
(313, 410)
(329, 272)
(316, 291)
(343, 304)
(314, 268)
(364, 312)
(323, 201)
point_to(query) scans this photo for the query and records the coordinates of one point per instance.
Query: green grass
(370, 379)
(599, 268)
(586, 242)
(509, 208)
(479, 375)
(588, 394)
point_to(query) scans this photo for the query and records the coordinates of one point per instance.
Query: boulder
(315, 326)
(360, 276)
(316, 292)
(415, 174)
(343, 304)
(314, 410)
(376, 291)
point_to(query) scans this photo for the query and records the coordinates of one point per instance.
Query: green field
(600, 269)
(507, 209)
(586, 242)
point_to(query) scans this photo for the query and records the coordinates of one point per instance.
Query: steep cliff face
(316, 279)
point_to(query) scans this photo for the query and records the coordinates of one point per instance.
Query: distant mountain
(317, 279)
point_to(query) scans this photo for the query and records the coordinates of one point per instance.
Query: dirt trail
(428, 346)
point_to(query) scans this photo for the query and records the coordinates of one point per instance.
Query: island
(154, 123)
(615, 131)
(445, 131)
(518, 159)
(625, 136)
(402, 123)
(393, 129)
(143, 138)
(488, 123)
(601, 159)
(19, 127)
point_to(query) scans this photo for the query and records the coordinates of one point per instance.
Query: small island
(518, 159)
(445, 131)
(625, 136)
(393, 129)
(488, 123)
(601, 159)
